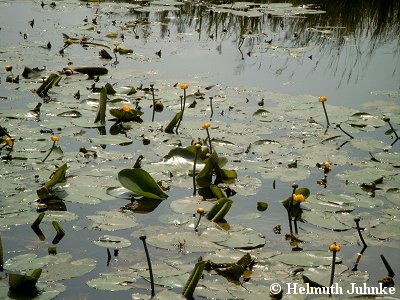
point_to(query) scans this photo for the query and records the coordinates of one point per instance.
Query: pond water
(263, 65)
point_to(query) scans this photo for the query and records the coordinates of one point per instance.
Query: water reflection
(348, 33)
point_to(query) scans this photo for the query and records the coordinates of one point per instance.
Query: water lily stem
(290, 216)
(183, 104)
(209, 140)
(48, 154)
(357, 220)
(154, 102)
(143, 238)
(211, 107)
(333, 267)
(348, 134)
(326, 114)
(198, 222)
(387, 266)
(1, 256)
(394, 131)
(194, 169)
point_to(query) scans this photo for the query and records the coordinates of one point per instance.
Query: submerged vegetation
(207, 185)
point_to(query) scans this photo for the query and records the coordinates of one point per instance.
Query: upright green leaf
(170, 127)
(141, 183)
(101, 110)
(48, 84)
(59, 176)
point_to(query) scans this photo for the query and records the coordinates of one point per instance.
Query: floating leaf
(91, 71)
(307, 258)
(111, 241)
(262, 206)
(112, 220)
(123, 51)
(141, 183)
(111, 140)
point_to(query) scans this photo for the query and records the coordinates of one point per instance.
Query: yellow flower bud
(126, 108)
(55, 138)
(183, 86)
(206, 125)
(322, 99)
(116, 43)
(10, 141)
(69, 41)
(299, 197)
(334, 247)
(201, 211)
(9, 68)
(68, 72)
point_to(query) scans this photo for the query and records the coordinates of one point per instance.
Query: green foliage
(141, 183)
(52, 80)
(24, 283)
(193, 280)
(123, 51)
(213, 166)
(1, 256)
(219, 210)
(58, 176)
(126, 116)
(262, 206)
(101, 110)
(104, 54)
(295, 210)
(170, 127)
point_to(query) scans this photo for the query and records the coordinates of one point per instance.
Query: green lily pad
(111, 241)
(314, 258)
(111, 140)
(112, 220)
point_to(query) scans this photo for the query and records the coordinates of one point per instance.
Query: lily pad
(112, 220)
(111, 241)
(307, 258)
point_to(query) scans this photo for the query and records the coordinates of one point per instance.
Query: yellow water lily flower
(183, 86)
(322, 99)
(116, 44)
(206, 125)
(55, 138)
(201, 211)
(10, 141)
(69, 41)
(126, 108)
(334, 247)
(299, 197)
